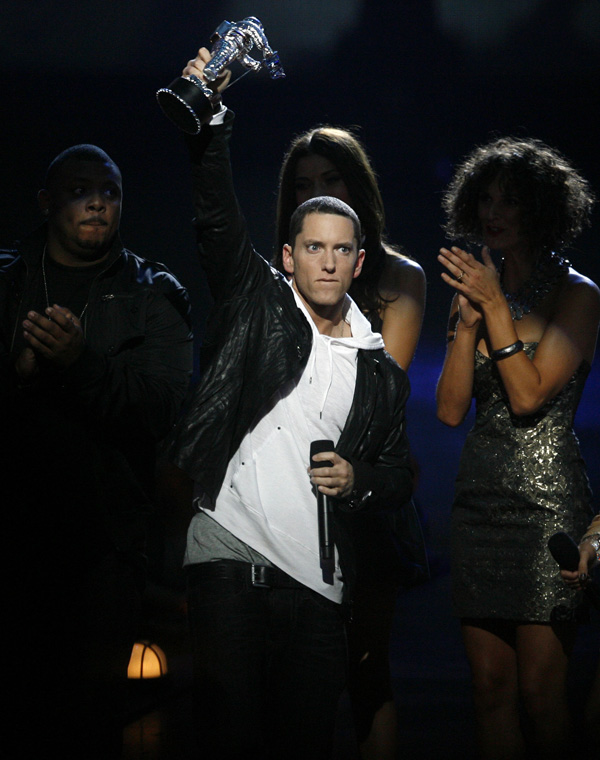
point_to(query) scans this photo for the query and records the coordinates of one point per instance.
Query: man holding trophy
(287, 361)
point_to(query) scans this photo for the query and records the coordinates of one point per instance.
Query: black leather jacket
(90, 430)
(258, 340)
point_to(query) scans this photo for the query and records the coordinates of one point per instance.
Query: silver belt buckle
(258, 576)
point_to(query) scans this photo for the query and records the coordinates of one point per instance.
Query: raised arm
(568, 339)
(226, 253)
(455, 386)
(567, 336)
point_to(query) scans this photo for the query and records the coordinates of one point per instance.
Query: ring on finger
(460, 276)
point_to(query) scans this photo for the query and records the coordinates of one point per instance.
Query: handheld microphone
(566, 552)
(326, 550)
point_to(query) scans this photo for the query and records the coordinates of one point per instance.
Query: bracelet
(594, 540)
(503, 353)
(590, 535)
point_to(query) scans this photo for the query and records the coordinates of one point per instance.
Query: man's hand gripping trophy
(192, 99)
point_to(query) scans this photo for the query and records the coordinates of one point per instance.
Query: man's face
(83, 205)
(324, 260)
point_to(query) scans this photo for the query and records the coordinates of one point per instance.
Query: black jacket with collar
(258, 340)
(87, 434)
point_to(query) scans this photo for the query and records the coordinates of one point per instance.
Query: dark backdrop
(424, 80)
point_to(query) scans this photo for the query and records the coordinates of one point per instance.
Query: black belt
(259, 576)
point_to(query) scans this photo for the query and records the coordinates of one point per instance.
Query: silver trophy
(188, 101)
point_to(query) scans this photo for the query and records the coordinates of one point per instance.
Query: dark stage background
(423, 79)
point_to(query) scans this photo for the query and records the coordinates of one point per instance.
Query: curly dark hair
(554, 200)
(347, 154)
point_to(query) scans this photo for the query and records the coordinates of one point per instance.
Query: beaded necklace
(549, 268)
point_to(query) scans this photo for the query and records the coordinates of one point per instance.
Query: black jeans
(269, 666)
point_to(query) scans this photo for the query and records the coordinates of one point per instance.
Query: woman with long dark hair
(391, 288)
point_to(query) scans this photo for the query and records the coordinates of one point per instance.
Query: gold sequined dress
(520, 480)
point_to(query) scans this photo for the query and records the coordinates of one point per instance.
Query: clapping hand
(57, 336)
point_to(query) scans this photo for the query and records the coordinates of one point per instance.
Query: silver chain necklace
(548, 269)
(46, 287)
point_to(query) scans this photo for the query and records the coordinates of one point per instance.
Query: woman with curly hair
(521, 340)
(391, 293)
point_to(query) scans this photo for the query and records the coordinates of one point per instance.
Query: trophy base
(186, 105)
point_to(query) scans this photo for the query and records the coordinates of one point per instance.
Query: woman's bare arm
(403, 287)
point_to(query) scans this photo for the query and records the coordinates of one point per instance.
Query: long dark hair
(349, 157)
